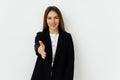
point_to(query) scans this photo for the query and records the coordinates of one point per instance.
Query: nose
(53, 20)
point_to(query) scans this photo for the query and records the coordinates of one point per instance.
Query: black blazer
(63, 67)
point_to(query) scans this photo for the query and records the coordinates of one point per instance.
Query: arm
(69, 72)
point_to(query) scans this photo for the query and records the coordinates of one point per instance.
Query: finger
(44, 53)
(43, 56)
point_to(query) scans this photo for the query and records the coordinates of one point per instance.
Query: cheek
(57, 21)
(48, 21)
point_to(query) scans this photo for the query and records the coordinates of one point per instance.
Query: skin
(52, 22)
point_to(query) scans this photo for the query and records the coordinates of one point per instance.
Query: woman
(54, 48)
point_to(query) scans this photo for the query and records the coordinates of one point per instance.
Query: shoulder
(39, 33)
(68, 39)
(66, 34)
(39, 36)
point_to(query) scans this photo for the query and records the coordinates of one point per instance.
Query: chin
(53, 28)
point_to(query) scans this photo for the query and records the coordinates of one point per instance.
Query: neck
(54, 31)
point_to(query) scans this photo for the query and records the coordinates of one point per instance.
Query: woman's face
(53, 20)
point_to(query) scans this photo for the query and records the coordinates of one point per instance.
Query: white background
(94, 25)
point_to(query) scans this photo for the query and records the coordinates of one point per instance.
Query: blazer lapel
(59, 45)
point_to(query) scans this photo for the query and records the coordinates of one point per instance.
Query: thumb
(40, 42)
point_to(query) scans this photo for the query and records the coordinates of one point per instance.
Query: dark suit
(63, 67)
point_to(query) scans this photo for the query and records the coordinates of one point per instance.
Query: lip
(53, 25)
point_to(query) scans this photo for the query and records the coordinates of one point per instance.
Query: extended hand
(41, 50)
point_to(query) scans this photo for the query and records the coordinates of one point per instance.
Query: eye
(56, 17)
(49, 18)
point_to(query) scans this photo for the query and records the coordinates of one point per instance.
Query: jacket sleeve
(36, 45)
(69, 71)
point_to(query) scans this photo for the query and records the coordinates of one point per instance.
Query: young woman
(54, 48)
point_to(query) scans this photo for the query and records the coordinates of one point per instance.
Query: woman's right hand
(41, 50)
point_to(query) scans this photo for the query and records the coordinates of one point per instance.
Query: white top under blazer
(54, 41)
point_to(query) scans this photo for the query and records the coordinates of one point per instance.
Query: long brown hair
(61, 23)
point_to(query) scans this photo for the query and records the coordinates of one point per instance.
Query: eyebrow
(53, 16)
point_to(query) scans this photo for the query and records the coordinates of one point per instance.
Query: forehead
(52, 13)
